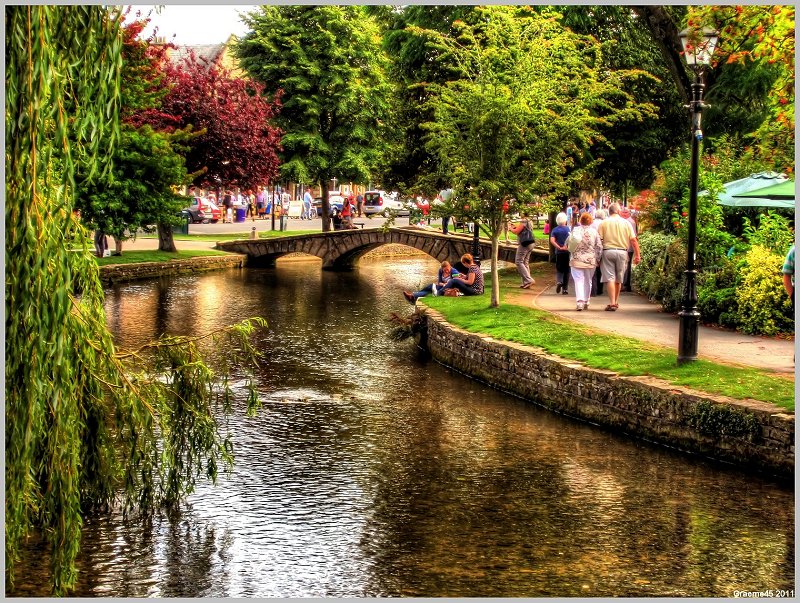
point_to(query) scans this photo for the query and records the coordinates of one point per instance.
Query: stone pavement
(636, 317)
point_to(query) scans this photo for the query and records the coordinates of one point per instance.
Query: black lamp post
(698, 46)
(476, 242)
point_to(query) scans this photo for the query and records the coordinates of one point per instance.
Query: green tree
(139, 193)
(329, 64)
(522, 119)
(635, 148)
(87, 427)
(416, 65)
(147, 165)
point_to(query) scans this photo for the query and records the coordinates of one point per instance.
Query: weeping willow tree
(88, 427)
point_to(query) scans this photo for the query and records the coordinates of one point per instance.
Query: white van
(381, 202)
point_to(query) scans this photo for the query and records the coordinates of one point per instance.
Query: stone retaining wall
(748, 433)
(118, 273)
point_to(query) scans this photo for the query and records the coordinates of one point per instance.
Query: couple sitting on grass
(448, 279)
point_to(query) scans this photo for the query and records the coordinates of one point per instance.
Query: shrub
(716, 295)
(773, 232)
(763, 307)
(660, 273)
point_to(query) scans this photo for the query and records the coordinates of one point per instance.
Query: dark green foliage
(138, 194)
(660, 273)
(716, 295)
(717, 420)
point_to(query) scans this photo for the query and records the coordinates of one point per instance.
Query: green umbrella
(749, 184)
(775, 195)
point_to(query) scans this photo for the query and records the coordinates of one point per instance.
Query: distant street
(291, 225)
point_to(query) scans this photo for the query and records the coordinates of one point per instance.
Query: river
(372, 471)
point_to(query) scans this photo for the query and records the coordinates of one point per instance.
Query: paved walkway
(640, 319)
(636, 317)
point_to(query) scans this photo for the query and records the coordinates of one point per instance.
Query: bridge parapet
(341, 249)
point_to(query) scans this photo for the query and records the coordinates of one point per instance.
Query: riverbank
(748, 433)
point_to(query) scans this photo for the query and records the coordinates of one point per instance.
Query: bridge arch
(341, 249)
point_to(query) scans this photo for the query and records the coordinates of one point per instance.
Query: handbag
(526, 235)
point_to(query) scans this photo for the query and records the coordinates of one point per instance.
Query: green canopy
(775, 195)
(746, 192)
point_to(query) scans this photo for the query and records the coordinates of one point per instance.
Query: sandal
(616, 306)
(610, 308)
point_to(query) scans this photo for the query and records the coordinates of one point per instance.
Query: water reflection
(374, 472)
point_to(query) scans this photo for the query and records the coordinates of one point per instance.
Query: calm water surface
(373, 471)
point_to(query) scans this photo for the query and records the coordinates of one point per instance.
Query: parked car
(335, 201)
(381, 202)
(203, 210)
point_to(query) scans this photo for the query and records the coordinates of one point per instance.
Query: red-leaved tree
(239, 146)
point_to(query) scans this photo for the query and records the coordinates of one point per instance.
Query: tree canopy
(517, 123)
(239, 144)
(329, 65)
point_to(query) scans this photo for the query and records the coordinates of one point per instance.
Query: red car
(203, 210)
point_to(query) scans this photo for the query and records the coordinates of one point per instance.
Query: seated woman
(470, 283)
(445, 273)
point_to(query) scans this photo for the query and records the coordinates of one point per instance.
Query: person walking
(359, 204)
(597, 283)
(788, 275)
(617, 235)
(307, 201)
(586, 250)
(558, 239)
(625, 213)
(525, 240)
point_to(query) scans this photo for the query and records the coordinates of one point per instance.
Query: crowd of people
(596, 248)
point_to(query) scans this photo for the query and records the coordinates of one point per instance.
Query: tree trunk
(326, 206)
(665, 34)
(165, 240)
(495, 303)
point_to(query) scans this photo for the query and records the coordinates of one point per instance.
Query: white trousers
(583, 283)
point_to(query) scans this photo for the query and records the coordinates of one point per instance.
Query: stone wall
(748, 433)
(118, 273)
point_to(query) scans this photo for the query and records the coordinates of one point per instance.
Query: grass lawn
(623, 355)
(135, 257)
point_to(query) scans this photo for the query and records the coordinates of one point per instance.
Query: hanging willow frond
(82, 426)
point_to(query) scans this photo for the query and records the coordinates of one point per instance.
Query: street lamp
(698, 46)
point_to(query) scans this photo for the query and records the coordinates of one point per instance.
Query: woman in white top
(585, 249)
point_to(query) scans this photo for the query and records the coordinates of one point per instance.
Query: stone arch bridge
(341, 249)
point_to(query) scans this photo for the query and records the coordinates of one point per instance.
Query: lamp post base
(687, 336)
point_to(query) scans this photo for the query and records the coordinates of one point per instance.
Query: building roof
(205, 52)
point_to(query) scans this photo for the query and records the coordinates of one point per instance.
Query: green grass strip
(599, 349)
(137, 257)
